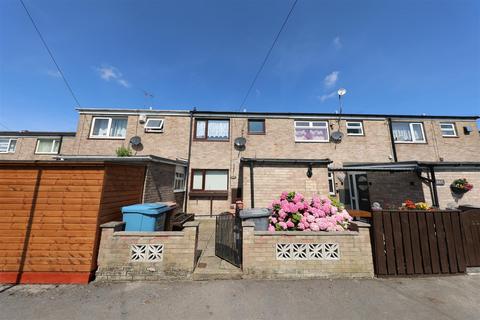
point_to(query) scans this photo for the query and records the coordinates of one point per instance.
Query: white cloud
(337, 43)
(53, 73)
(327, 96)
(109, 73)
(331, 79)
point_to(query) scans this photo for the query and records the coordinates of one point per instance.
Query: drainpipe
(434, 187)
(392, 139)
(252, 192)
(185, 199)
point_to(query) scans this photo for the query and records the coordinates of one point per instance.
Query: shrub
(292, 212)
(123, 152)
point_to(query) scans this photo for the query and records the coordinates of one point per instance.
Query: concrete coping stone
(362, 224)
(149, 234)
(112, 224)
(191, 224)
(306, 233)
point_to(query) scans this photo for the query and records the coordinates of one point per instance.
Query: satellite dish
(240, 142)
(336, 136)
(135, 140)
(342, 91)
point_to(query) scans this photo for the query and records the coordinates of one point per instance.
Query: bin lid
(146, 208)
(254, 213)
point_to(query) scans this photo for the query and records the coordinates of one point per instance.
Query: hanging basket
(457, 190)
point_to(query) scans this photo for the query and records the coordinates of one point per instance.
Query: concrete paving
(456, 297)
(209, 266)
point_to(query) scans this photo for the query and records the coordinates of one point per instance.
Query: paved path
(456, 297)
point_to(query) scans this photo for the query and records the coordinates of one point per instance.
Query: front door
(359, 195)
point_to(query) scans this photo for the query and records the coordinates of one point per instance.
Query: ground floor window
(179, 179)
(331, 184)
(209, 180)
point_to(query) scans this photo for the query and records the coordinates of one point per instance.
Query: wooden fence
(471, 234)
(418, 242)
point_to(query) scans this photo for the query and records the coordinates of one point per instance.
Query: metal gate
(471, 236)
(228, 238)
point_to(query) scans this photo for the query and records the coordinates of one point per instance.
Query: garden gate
(228, 238)
(471, 236)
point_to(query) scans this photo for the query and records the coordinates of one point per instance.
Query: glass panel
(401, 131)
(4, 143)
(302, 124)
(56, 146)
(305, 134)
(13, 145)
(100, 127)
(119, 128)
(354, 124)
(217, 129)
(256, 126)
(448, 129)
(197, 181)
(154, 123)
(45, 145)
(417, 132)
(319, 124)
(200, 131)
(354, 128)
(216, 180)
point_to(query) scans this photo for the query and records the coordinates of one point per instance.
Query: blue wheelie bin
(145, 217)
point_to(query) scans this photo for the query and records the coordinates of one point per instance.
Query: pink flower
(284, 195)
(271, 228)
(282, 214)
(310, 219)
(290, 224)
(300, 226)
(298, 198)
(273, 220)
(314, 227)
(283, 225)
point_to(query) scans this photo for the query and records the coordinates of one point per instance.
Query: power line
(1, 124)
(50, 53)
(268, 54)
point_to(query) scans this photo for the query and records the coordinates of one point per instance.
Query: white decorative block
(146, 252)
(308, 251)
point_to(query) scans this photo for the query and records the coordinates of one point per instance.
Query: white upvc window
(179, 179)
(8, 145)
(154, 125)
(408, 132)
(209, 180)
(331, 184)
(311, 131)
(355, 128)
(448, 129)
(109, 127)
(47, 146)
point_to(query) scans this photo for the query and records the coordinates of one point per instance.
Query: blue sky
(399, 57)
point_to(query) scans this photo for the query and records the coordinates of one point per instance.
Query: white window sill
(107, 138)
(46, 153)
(179, 190)
(312, 141)
(355, 134)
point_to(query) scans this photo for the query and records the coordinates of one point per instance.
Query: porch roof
(409, 166)
(286, 161)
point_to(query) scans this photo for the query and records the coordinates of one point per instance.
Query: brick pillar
(190, 229)
(248, 243)
(106, 238)
(366, 246)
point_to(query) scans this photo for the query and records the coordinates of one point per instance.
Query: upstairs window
(105, 127)
(354, 128)
(47, 146)
(311, 131)
(256, 126)
(215, 130)
(154, 125)
(7, 145)
(179, 180)
(408, 132)
(209, 180)
(448, 129)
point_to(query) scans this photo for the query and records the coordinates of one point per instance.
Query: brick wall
(177, 257)
(260, 258)
(159, 184)
(392, 189)
(26, 146)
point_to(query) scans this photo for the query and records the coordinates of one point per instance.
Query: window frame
(410, 124)
(182, 179)
(311, 127)
(155, 129)
(9, 144)
(109, 127)
(58, 140)
(256, 132)
(206, 130)
(203, 191)
(362, 133)
(331, 178)
(453, 128)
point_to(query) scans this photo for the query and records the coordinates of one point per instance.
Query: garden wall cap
(112, 224)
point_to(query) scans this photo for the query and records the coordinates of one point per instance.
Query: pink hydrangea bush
(293, 212)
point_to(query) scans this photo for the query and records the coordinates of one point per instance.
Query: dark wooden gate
(471, 236)
(228, 238)
(418, 242)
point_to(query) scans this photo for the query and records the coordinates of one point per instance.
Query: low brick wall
(126, 256)
(301, 255)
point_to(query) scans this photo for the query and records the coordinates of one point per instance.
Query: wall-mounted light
(309, 171)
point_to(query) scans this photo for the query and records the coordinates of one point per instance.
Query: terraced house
(253, 157)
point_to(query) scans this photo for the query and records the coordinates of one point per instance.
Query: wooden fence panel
(418, 242)
(470, 225)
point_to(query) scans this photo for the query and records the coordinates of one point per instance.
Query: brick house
(381, 158)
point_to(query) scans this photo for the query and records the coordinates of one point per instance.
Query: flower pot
(457, 190)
